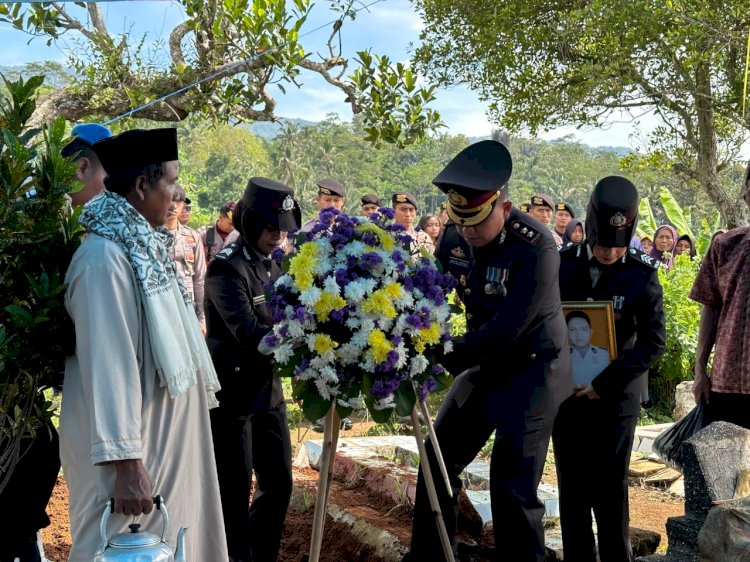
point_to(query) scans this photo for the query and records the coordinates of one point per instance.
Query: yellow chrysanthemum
(379, 303)
(388, 242)
(380, 346)
(324, 344)
(430, 335)
(394, 290)
(327, 303)
(301, 267)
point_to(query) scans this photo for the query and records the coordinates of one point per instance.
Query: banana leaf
(646, 221)
(674, 213)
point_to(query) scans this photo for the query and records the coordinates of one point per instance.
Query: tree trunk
(734, 212)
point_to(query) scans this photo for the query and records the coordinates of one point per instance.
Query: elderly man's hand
(133, 489)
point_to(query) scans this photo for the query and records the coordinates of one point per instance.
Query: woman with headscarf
(685, 245)
(647, 244)
(665, 239)
(573, 232)
(250, 428)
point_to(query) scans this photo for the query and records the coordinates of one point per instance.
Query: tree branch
(70, 22)
(97, 18)
(322, 68)
(175, 43)
(265, 114)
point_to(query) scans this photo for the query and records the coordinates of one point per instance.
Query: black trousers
(592, 441)
(259, 442)
(26, 495)
(728, 407)
(466, 420)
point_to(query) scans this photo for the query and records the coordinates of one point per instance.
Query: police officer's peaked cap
(473, 179)
(561, 206)
(330, 186)
(370, 199)
(404, 197)
(612, 212)
(131, 151)
(84, 135)
(274, 202)
(542, 200)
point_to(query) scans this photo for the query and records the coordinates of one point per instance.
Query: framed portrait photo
(591, 338)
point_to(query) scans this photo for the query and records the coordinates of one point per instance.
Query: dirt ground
(649, 509)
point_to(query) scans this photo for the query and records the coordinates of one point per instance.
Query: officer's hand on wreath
(586, 391)
(133, 489)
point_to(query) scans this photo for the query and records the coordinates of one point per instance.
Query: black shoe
(346, 424)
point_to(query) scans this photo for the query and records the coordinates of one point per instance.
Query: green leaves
(674, 213)
(393, 108)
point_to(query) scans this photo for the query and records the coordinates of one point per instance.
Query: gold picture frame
(591, 337)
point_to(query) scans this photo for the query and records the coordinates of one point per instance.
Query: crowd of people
(167, 392)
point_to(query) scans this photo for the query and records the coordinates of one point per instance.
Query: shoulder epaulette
(227, 252)
(525, 231)
(643, 258)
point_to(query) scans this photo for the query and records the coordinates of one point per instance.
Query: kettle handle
(109, 508)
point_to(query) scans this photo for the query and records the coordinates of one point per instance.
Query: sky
(389, 27)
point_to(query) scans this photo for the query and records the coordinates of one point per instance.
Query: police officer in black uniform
(511, 366)
(603, 414)
(249, 427)
(452, 252)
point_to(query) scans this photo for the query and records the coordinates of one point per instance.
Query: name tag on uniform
(259, 300)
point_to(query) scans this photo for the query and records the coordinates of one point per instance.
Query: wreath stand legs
(429, 481)
(331, 425)
(330, 440)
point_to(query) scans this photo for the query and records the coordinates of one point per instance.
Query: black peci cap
(131, 151)
(274, 202)
(612, 213)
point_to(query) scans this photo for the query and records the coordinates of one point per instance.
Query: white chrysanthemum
(349, 354)
(320, 362)
(330, 285)
(359, 339)
(368, 325)
(285, 281)
(329, 375)
(296, 329)
(354, 402)
(282, 353)
(355, 248)
(323, 390)
(418, 365)
(311, 296)
(307, 374)
(384, 404)
(403, 354)
(353, 322)
(447, 347)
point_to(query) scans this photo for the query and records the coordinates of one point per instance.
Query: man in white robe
(124, 433)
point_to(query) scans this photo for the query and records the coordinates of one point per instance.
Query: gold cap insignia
(561, 207)
(458, 252)
(457, 199)
(325, 191)
(537, 201)
(401, 198)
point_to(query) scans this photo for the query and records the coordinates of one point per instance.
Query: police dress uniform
(250, 430)
(453, 252)
(518, 366)
(607, 424)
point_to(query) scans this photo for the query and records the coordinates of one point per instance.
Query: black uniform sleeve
(231, 296)
(529, 289)
(651, 337)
